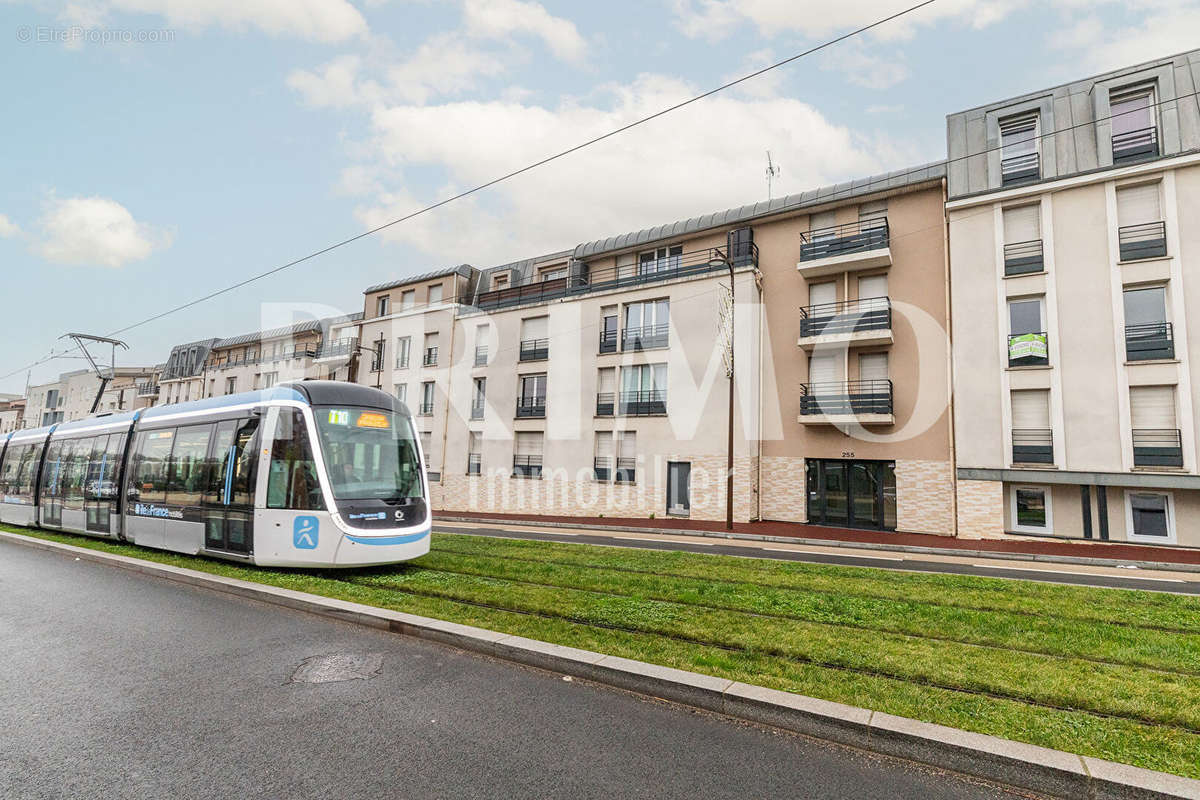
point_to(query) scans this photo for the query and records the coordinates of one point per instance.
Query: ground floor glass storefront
(855, 494)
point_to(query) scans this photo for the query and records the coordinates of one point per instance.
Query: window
(408, 299)
(822, 224)
(231, 386)
(377, 460)
(426, 444)
(1031, 509)
(481, 344)
(554, 273)
(1032, 436)
(401, 392)
(1150, 517)
(527, 454)
(269, 379)
(643, 389)
(1019, 151)
(603, 460)
(435, 294)
(608, 329)
(1148, 335)
(403, 348)
(1023, 239)
(52, 396)
(535, 344)
(151, 459)
(382, 306)
(1141, 232)
(378, 353)
(647, 325)
(478, 397)
(292, 481)
(626, 457)
(186, 479)
(872, 215)
(1134, 132)
(430, 359)
(427, 389)
(661, 259)
(532, 401)
(499, 282)
(872, 367)
(1152, 412)
(474, 453)
(1027, 342)
(606, 389)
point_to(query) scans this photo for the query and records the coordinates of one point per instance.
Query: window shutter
(1022, 224)
(529, 443)
(872, 286)
(1138, 204)
(473, 442)
(825, 219)
(628, 445)
(821, 293)
(608, 380)
(604, 444)
(1031, 408)
(534, 328)
(823, 369)
(1152, 407)
(873, 366)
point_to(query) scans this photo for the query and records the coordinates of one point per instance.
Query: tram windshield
(369, 453)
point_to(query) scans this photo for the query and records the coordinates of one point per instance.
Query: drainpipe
(950, 365)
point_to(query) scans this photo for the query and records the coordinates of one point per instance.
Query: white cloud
(702, 158)
(92, 231)
(864, 68)
(317, 20)
(498, 19)
(8, 228)
(1163, 27)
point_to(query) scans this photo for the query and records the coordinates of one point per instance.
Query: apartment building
(73, 394)
(12, 413)
(1074, 254)
(180, 378)
(856, 299)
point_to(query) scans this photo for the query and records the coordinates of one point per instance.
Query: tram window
(29, 470)
(150, 461)
(95, 460)
(75, 456)
(292, 482)
(244, 468)
(218, 463)
(110, 471)
(10, 475)
(53, 470)
(6, 471)
(185, 479)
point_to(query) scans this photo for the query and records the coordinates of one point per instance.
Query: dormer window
(383, 306)
(1134, 132)
(1020, 157)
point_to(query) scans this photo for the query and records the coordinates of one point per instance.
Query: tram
(305, 474)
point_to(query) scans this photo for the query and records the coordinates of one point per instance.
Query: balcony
(474, 464)
(606, 404)
(856, 245)
(531, 407)
(430, 358)
(626, 470)
(1020, 169)
(477, 410)
(1028, 349)
(527, 467)
(337, 349)
(865, 401)
(1135, 145)
(481, 356)
(859, 322)
(684, 265)
(648, 337)
(425, 410)
(1158, 448)
(146, 388)
(602, 468)
(1023, 258)
(1032, 446)
(1148, 342)
(608, 341)
(535, 349)
(652, 403)
(1147, 240)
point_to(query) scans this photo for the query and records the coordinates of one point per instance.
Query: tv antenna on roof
(772, 173)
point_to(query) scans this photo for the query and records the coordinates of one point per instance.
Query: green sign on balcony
(1027, 345)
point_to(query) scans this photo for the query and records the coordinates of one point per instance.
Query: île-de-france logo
(304, 533)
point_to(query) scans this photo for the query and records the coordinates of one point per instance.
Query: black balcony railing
(527, 466)
(602, 468)
(263, 358)
(1151, 341)
(678, 266)
(477, 410)
(531, 407)
(1018, 169)
(146, 389)
(338, 348)
(626, 470)
(474, 464)
(608, 341)
(1132, 145)
(1161, 447)
(846, 397)
(1028, 349)
(839, 240)
(535, 349)
(431, 357)
(1033, 446)
(1147, 240)
(647, 337)
(848, 316)
(481, 356)
(426, 409)
(1022, 258)
(606, 404)
(643, 403)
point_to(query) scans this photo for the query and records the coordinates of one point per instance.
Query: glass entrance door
(858, 494)
(679, 478)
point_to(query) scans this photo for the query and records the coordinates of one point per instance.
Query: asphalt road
(119, 685)
(988, 568)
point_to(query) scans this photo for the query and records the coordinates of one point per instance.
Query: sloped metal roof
(274, 333)
(896, 179)
(464, 270)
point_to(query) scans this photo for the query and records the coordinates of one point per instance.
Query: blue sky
(142, 174)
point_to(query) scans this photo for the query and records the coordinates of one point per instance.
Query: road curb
(1015, 764)
(891, 548)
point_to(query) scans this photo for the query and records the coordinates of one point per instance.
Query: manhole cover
(338, 667)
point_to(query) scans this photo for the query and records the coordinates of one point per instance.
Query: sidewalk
(923, 542)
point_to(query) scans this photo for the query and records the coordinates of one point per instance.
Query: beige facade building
(1074, 255)
(12, 413)
(72, 396)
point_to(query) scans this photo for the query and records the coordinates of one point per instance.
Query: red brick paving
(1117, 551)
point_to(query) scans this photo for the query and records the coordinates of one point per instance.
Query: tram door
(229, 496)
(52, 480)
